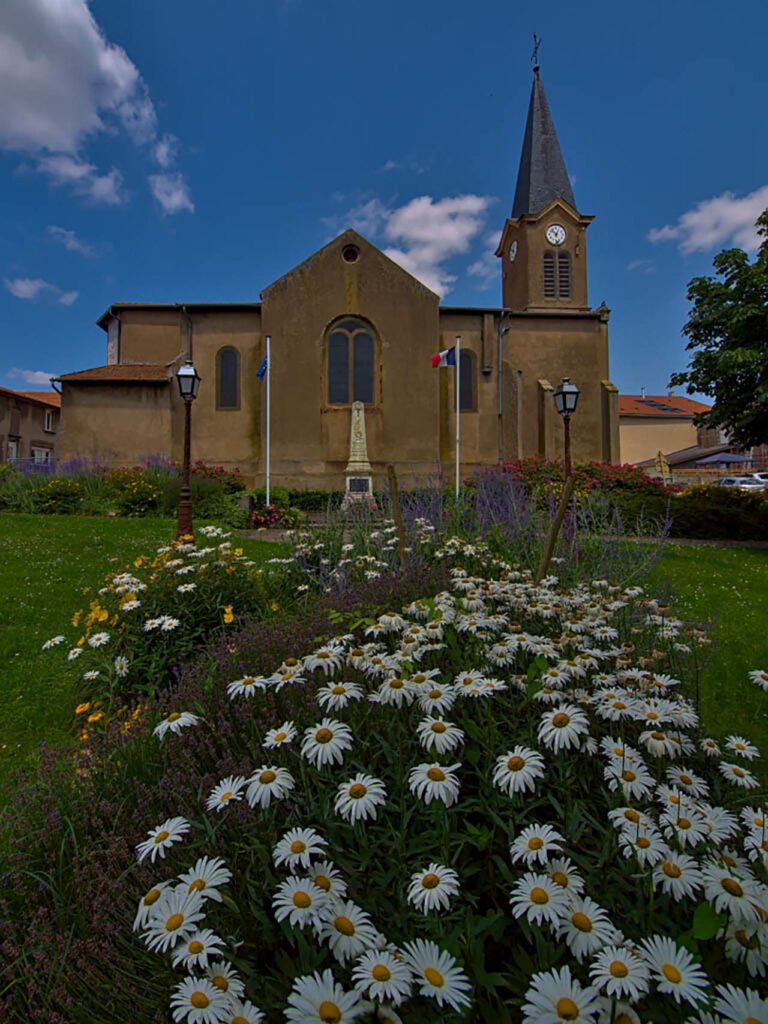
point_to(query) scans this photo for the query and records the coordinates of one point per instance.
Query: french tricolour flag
(445, 358)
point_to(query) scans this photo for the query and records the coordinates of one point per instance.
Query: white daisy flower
(536, 843)
(269, 783)
(628, 817)
(300, 900)
(98, 639)
(168, 623)
(326, 875)
(741, 747)
(175, 722)
(754, 817)
(562, 727)
(55, 641)
(740, 776)
(148, 900)
(563, 872)
(338, 695)
(225, 978)
(438, 734)
(731, 891)
(198, 1001)
(554, 996)
(381, 975)
(643, 842)
(358, 798)
(738, 1005)
(432, 888)
(121, 666)
(674, 970)
(760, 678)
(517, 770)
(710, 747)
(196, 949)
(171, 831)
(620, 972)
(184, 588)
(435, 697)
(92, 674)
(150, 624)
(328, 660)
(586, 927)
(225, 792)
(747, 944)
(633, 779)
(347, 929)
(325, 742)
(678, 874)
(396, 691)
(538, 898)
(319, 999)
(297, 847)
(686, 780)
(173, 918)
(658, 743)
(434, 781)
(277, 737)
(206, 874)
(242, 1011)
(437, 974)
(247, 686)
(684, 826)
(75, 652)
(756, 846)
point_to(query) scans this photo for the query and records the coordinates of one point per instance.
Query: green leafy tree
(728, 334)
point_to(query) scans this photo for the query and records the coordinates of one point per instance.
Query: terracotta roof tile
(137, 372)
(43, 397)
(665, 406)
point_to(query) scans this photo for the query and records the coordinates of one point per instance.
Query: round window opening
(350, 254)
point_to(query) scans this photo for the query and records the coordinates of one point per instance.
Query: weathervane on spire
(535, 54)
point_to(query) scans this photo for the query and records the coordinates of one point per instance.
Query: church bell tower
(543, 248)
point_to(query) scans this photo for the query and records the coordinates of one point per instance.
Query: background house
(649, 424)
(29, 422)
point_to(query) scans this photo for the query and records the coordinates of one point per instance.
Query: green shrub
(224, 508)
(60, 495)
(701, 513)
(201, 489)
(279, 497)
(315, 501)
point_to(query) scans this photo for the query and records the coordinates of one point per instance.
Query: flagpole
(269, 374)
(458, 412)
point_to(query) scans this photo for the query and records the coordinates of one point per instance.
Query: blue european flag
(262, 369)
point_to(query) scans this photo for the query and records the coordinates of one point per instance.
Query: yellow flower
(84, 734)
(113, 620)
(238, 551)
(80, 642)
(275, 606)
(228, 614)
(76, 617)
(103, 615)
(82, 707)
(95, 716)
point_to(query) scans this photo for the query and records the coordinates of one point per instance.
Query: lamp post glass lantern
(566, 400)
(189, 381)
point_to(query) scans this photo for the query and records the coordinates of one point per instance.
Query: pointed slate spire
(542, 175)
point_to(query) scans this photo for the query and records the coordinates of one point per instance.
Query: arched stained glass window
(466, 382)
(228, 379)
(350, 363)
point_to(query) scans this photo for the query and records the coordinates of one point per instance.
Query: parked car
(758, 476)
(743, 483)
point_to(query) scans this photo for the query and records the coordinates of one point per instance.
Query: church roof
(542, 175)
(122, 372)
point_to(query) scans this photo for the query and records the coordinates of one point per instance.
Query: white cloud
(70, 241)
(164, 150)
(39, 377)
(63, 82)
(645, 265)
(83, 178)
(486, 269)
(172, 192)
(33, 287)
(715, 222)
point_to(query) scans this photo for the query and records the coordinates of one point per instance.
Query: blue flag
(262, 369)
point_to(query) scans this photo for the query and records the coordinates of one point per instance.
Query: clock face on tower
(556, 234)
(512, 252)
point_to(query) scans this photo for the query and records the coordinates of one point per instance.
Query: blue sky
(197, 150)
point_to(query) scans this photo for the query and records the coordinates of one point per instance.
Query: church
(349, 325)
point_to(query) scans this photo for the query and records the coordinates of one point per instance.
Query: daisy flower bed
(493, 804)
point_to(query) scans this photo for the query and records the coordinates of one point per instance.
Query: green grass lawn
(45, 562)
(729, 585)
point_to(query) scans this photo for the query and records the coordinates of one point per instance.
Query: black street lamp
(189, 382)
(566, 399)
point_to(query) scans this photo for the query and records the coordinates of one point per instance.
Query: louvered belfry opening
(564, 275)
(549, 275)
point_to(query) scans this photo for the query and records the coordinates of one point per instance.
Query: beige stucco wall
(118, 424)
(23, 421)
(643, 437)
(150, 336)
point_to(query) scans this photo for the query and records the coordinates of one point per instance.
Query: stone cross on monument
(359, 475)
